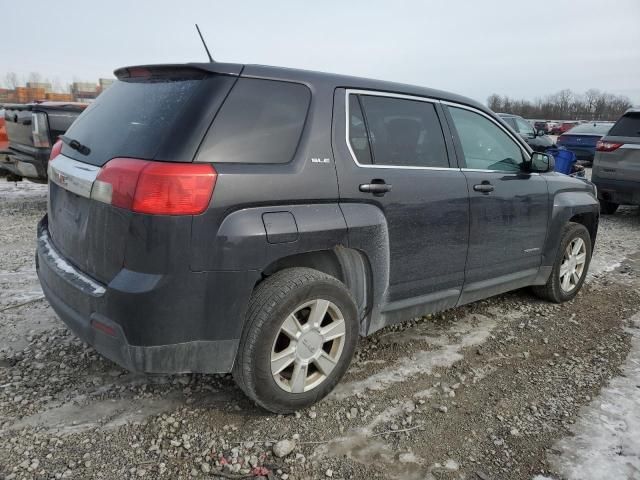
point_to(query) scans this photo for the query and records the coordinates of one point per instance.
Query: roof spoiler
(133, 71)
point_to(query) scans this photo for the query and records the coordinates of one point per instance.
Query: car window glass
(260, 122)
(404, 132)
(524, 127)
(484, 144)
(627, 126)
(358, 132)
(511, 121)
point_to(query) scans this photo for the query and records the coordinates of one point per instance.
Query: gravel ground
(493, 390)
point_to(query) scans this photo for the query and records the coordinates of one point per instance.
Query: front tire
(570, 267)
(300, 334)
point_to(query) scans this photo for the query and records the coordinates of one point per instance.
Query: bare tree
(35, 77)
(565, 105)
(11, 80)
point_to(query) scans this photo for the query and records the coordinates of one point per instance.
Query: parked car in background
(537, 140)
(195, 222)
(616, 165)
(582, 139)
(540, 126)
(566, 126)
(32, 129)
(4, 143)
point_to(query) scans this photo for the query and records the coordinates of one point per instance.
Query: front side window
(401, 132)
(485, 145)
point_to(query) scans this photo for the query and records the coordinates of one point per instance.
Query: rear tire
(306, 320)
(608, 208)
(568, 274)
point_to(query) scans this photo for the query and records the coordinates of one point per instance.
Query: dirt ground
(500, 389)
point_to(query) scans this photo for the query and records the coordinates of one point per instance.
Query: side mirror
(542, 162)
(540, 133)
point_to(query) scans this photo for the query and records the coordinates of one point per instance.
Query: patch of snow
(20, 190)
(475, 330)
(62, 265)
(606, 435)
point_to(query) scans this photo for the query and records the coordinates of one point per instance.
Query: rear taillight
(157, 188)
(607, 146)
(55, 150)
(40, 130)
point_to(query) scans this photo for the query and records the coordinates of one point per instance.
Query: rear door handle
(378, 189)
(484, 187)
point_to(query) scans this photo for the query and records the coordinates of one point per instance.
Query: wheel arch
(348, 265)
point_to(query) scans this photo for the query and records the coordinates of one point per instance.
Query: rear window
(627, 126)
(135, 117)
(260, 122)
(599, 128)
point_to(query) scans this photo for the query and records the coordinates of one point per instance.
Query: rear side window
(404, 132)
(260, 122)
(358, 138)
(627, 126)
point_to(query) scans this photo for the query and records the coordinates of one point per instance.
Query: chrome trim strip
(72, 175)
(384, 94)
(631, 146)
(504, 172)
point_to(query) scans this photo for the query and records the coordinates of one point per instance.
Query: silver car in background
(616, 166)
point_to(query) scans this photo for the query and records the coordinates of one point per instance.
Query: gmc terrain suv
(616, 166)
(221, 217)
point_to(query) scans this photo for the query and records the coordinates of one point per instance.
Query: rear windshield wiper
(76, 145)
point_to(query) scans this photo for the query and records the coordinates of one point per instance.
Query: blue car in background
(582, 139)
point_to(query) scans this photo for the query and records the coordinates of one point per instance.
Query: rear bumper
(582, 153)
(203, 339)
(624, 192)
(18, 163)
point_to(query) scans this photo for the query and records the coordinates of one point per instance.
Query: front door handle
(378, 188)
(484, 187)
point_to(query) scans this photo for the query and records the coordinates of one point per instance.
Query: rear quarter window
(260, 122)
(627, 126)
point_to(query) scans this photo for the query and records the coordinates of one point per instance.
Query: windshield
(599, 128)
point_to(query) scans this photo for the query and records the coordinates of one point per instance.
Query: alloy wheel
(308, 346)
(573, 263)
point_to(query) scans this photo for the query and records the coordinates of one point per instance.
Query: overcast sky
(524, 49)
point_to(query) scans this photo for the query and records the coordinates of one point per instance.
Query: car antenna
(205, 45)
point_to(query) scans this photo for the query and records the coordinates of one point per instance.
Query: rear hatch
(150, 114)
(618, 153)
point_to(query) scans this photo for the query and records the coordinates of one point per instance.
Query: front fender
(567, 205)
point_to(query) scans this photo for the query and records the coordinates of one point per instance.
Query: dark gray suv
(222, 217)
(616, 166)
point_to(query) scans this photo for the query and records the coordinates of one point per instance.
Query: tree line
(564, 105)
(11, 81)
